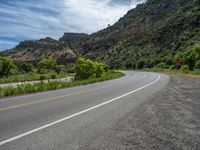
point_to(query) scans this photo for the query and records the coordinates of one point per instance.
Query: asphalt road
(71, 118)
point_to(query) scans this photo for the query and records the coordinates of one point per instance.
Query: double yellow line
(48, 99)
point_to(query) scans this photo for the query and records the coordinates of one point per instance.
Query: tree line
(83, 68)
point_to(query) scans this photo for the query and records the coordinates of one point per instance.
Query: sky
(34, 19)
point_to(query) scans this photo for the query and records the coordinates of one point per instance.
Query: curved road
(71, 118)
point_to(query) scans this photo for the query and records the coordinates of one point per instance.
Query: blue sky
(35, 19)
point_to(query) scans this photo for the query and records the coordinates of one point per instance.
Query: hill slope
(147, 35)
(72, 37)
(33, 51)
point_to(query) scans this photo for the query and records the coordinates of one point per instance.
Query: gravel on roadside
(170, 120)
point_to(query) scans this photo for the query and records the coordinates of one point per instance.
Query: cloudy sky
(34, 19)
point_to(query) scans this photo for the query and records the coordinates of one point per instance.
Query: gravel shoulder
(170, 120)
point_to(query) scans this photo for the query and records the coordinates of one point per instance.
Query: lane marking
(76, 114)
(48, 99)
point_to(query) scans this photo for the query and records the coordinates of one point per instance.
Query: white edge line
(74, 115)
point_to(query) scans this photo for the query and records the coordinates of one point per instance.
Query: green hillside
(150, 34)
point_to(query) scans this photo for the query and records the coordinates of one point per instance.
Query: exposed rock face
(33, 51)
(72, 37)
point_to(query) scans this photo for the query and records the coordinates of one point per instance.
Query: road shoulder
(170, 120)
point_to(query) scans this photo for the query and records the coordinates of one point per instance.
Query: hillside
(72, 37)
(33, 51)
(147, 35)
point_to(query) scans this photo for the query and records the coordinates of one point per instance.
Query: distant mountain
(33, 51)
(72, 37)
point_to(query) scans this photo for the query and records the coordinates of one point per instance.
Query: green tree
(99, 69)
(197, 65)
(106, 67)
(185, 69)
(47, 63)
(59, 69)
(140, 64)
(25, 67)
(190, 57)
(6, 65)
(162, 66)
(84, 69)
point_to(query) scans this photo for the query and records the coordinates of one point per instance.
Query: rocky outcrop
(72, 37)
(33, 51)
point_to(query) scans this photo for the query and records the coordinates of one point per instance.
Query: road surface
(71, 118)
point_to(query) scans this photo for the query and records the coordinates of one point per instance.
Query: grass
(40, 87)
(195, 74)
(30, 77)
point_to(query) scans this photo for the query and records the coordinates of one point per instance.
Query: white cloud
(93, 15)
(40, 18)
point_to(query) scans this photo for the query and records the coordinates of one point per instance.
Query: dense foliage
(86, 68)
(190, 57)
(151, 34)
(6, 65)
(25, 67)
(47, 63)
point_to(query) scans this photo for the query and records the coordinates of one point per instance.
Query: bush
(85, 69)
(172, 67)
(190, 57)
(42, 77)
(106, 67)
(47, 63)
(53, 76)
(38, 87)
(162, 66)
(197, 65)
(25, 67)
(6, 65)
(99, 69)
(196, 71)
(185, 69)
(59, 69)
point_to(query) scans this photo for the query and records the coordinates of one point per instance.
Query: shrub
(47, 63)
(25, 67)
(84, 69)
(190, 57)
(197, 65)
(59, 69)
(196, 71)
(172, 67)
(6, 65)
(185, 69)
(106, 68)
(42, 77)
(162, 66)
(99, 69)
(38, 87)
(53, 76)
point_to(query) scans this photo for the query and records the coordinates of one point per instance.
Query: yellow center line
(48, 99)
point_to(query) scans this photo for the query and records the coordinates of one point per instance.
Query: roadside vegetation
(86, 72)
(47, 68)
(187, 62)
